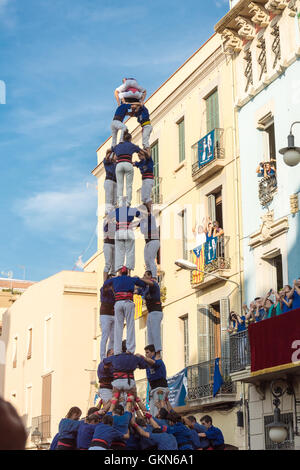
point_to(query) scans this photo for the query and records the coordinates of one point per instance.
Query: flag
(148, 397)
(138, 302)
(218, 379)
(198, 259)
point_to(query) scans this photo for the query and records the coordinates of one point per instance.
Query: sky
(60, 61)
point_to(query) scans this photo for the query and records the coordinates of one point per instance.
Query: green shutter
(212, 111)
(181, 141)
(155, 157)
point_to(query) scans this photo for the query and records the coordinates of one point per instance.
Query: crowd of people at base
(262, 308)
(206, 231)
(133, 428)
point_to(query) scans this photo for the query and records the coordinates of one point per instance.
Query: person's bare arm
(287, 303)
(151, 362)
(117, 97)
(153, 423)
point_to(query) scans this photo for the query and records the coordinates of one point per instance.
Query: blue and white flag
(206, 149)
(218, 379)
(178, 388)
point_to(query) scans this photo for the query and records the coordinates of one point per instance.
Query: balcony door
(46, 395)
(212, 111)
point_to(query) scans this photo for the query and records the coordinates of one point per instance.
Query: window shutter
(181, 141)
(203, 312)
(225, 309)
(211, 202)
(212, 112)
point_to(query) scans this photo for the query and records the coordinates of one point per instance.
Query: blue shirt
(121, 423)
(125, 362)
(296, 300)
(142, 115)
(146, 167)
(106, 433)
(126, 148)
(122, 110)
(106, 295)
(54, 442)
(124, 284)
(262, 315)
(133, 442)
(68, 428)
(215, 436)
(285, 308)
(85, 435)
(195, 439)
(157, 371)
(242, 326)
(124, 216)
(110, 170)
(199, 428)
(164, 441)
(183, 435)
(105, 372)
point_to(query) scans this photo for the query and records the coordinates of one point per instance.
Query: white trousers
(153, 329)
(115, 127)
(110, 188)
(107, 323)
(150, 252)
(146, 132)
(124, 249)
(124, 170)
(124, 310)
(109, 256)
(146, 193)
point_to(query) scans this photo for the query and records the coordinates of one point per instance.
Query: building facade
(196, 167)
(261, 41)
(49, 335)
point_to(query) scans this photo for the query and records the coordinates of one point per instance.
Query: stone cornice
(269, 230)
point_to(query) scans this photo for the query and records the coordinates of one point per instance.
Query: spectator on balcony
(237, 323)
(286, 303)
(273, 307)
(249, 313)
(265, 169)
(200, 232)
(294, 294)
(218, 231)
(213, 434)
(260, 311)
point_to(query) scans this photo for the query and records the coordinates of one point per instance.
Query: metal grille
(289, 443)
(262, 58)
(266, 189)
(248, 69)
(43, 424)
(276, 48)
(219, 152)
(200, 379)
(239, 351)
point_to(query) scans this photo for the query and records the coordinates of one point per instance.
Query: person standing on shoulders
(130, 91)
(117, 123)
(157, 379)
(143, 118)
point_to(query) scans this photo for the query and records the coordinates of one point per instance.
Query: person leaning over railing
(237, 323)
(286, 301)
(294, 294)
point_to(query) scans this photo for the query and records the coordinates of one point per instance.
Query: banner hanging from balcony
(206, 149)
(275, 343)
(178, 388)
(211, 250)
(198, 259)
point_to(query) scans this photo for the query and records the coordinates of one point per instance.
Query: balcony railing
(239, 351)
(207, 150)
(215, 256)
(43, 424)
(266, 189)
(200, 380)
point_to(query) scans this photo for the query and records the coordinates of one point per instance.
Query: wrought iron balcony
(266, 189)
(215, 257)
(239, 351)
(43, 425)
(200, 380)
(208, 155)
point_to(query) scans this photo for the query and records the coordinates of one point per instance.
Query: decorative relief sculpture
(231, 42)
(292, 5)
(246, 29)
(276, 6)
(261, 16)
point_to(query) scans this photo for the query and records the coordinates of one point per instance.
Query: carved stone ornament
(269, 229)
(276, 6)
(261, 16)
(293, 7)
(231, 42)
(246, 28)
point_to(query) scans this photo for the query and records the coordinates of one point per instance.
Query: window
(185, 321)
(212, 111)
(267, 127)
(48, 343)
(184, 234)
(181, 138)
(29, 348)
(156, 188)
(28, 409)
(215, 207)
(270, 131)
(277, 263)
